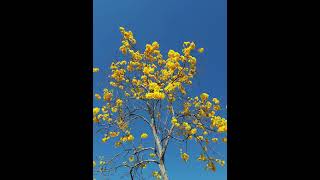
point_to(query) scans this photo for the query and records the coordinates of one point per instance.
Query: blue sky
(169, 22)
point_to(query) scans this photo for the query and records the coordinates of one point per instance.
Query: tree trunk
(163, 171)
(160, 153)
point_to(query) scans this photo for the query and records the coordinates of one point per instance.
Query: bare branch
(142, 117)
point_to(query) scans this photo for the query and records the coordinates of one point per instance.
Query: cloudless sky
(170, 23)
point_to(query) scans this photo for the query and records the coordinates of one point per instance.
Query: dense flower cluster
(152, 69)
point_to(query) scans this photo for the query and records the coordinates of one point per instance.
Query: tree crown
(153, 89)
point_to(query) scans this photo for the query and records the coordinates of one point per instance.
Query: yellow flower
(96, 70)
(94, 164)
(124, 62)
(222, 163)
(211, 166)
(123, 49)
(155, 173)
(216, 107)
(222, 129)
(174, 120)
(127, 94)
(202, 113)
(200, 138)
(114, 109)
(130, 67)
(224, 139)
(148, 70)
(113, 84)
(95, 119)
(143, 78)
(215, 140)
(107, 95)
(114, 134)
(186, 43)
(155, 45)
(202, 158)
(113, 66)
(215, 100)
(131, 158)
(105, 139)
(96, 110)
(154, 86)
(121, 29)
(185, 156)
(208, 105)
(130, 137)
(170, 87)
(117, 144)
(192, 45)
(152, 155)
(124, 139)
(118, 74)
(144, 135)
(200, 50)
(193, 131)
(119, 102)
(205, 133)
(143, 165)
(155, 95)
(211, 114)
(204, 96)
(97, 96)
(104, 110)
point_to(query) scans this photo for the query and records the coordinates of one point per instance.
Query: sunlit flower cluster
(156, 175)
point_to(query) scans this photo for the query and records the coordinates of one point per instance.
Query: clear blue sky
(169, 22)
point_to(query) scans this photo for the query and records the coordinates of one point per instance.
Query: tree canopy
(152, 89)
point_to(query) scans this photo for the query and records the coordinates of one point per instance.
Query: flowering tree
(152, 89)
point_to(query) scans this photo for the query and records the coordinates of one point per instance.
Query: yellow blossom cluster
(107, 95)
(204, 106)
(131, 158)
(152, 52)
(95, 70)
(144, 135)
(200, 50)
(152, 155)
(96, 110)
(118, 74)
(143, 165)
(97, 96)
(219, 123)
(185, 156)
(111, 134)
(126, 138)
(171, 74)
(156, 175)
(202, 157)
(114, 134)
(211, 166)
(119, 103)
(221, 162)
(174, 121)
(127, 39)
